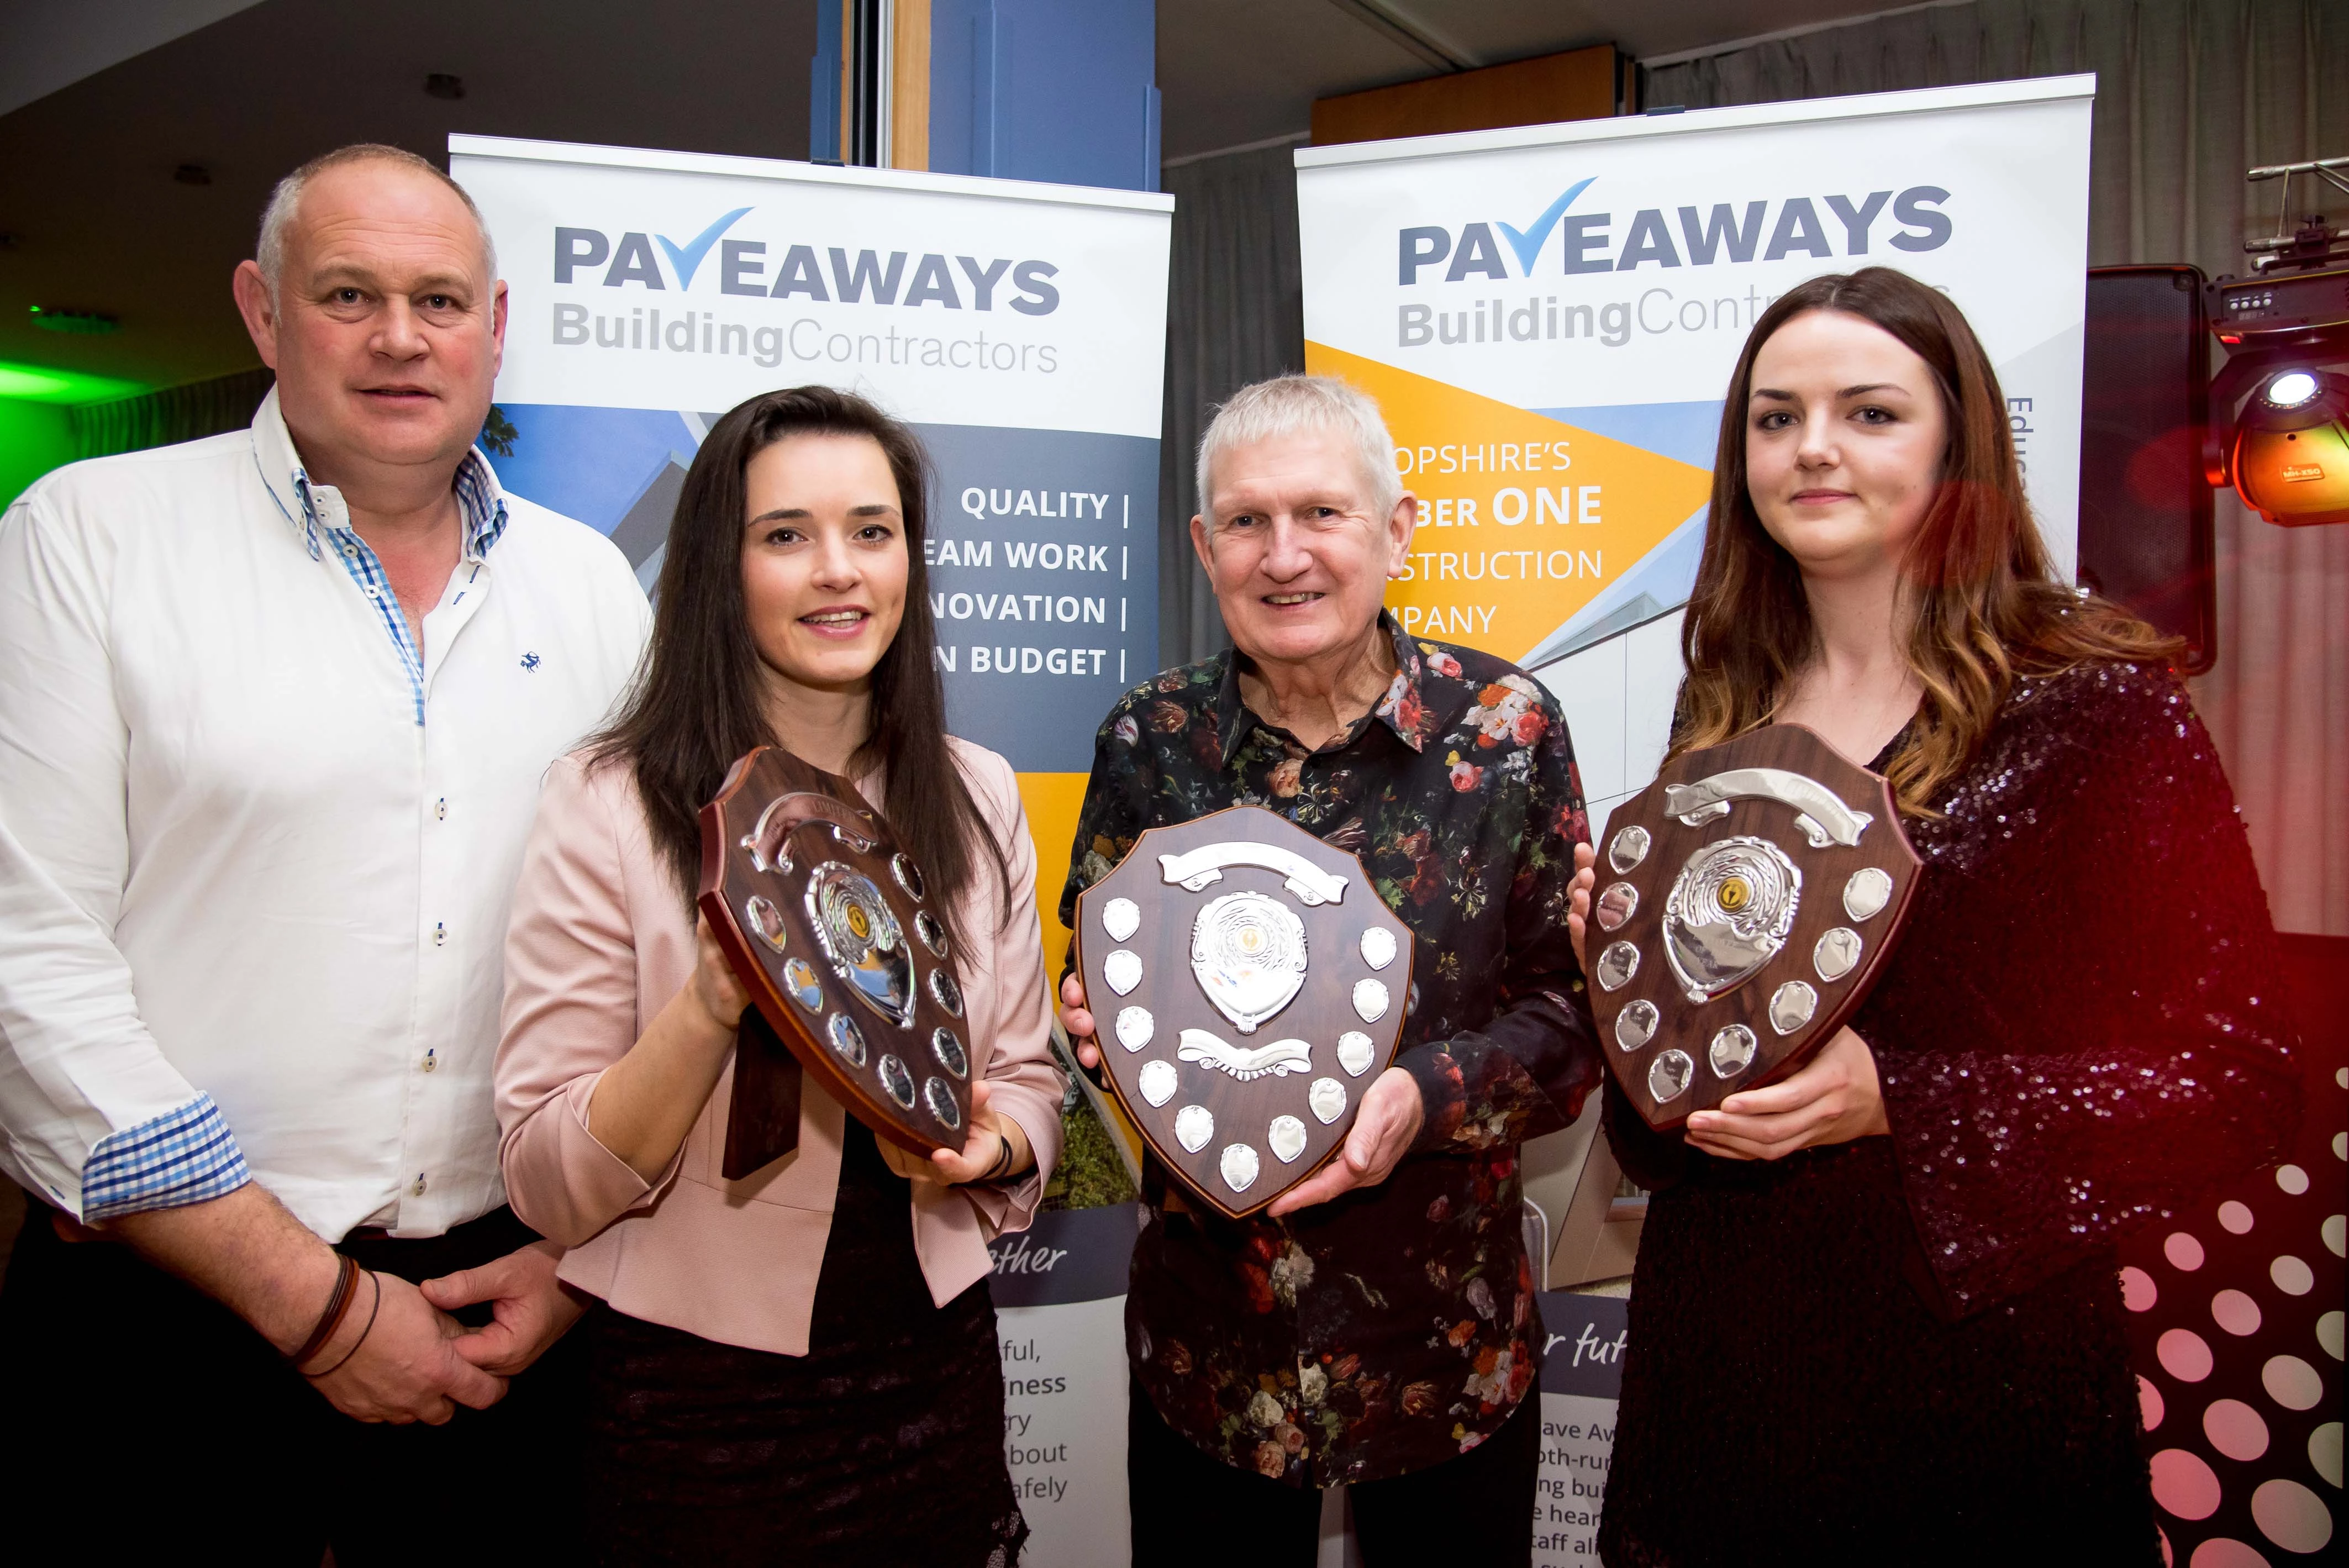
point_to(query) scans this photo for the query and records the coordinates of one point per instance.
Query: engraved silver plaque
(1194, 1126)
(846, 1038)
(1239, 1167)
(766, 921)
(1122, 970)
(1791, 1006)
(909, 874)
(1731, 1051)
(1354, 1052)
(1616, 965)
(1157, 1082)
(1616, 905)
(1369, 1001)
(1120, 918)
(949, 1052)
(1865, 896)
(1327, 1099)
(800, 981)
(1636, 1024)
(897, 1082)
(939, 1100)
(1136, 1027)
(1378, 947)
(1669, 1075)
(946, 992)
(1627, 848)
(1835, 953)
(1286, 1136)
(933, 934)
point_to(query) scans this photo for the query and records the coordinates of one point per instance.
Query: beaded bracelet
(347, 1275)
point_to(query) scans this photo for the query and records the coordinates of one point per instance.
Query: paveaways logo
(1727, 233)
(584, 255)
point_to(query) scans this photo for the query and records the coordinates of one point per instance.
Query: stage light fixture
(2290, 461)
(2286, 452)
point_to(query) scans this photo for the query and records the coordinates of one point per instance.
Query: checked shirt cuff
(186, 1155)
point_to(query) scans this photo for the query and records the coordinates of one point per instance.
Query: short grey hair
(278, 216)
(1291, 405)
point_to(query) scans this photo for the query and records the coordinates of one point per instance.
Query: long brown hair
(1985, 603)
(695, 708)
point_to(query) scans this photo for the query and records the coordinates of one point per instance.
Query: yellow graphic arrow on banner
(1522, 518)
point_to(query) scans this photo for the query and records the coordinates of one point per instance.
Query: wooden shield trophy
(1248, 984)
(851, 976)
(1745, 902)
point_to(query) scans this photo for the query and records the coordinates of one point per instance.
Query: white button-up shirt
(255, 847)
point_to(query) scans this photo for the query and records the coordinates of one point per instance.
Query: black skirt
(1789, 1398)
(883, 1444)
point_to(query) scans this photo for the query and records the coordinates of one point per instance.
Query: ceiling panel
(93, 218)
(1236, 71)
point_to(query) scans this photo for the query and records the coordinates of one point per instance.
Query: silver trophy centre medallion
(1248, 951)
(1728, 913)
(863, 939)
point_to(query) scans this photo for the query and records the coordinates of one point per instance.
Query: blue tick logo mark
(530, 661)
(1527, 242)
(686, 258)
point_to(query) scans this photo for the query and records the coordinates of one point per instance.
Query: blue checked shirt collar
(323, 523)
(315, 510)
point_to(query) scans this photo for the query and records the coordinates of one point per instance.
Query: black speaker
(2145, 537)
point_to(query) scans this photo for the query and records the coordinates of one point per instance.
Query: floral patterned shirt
(1394, 1327)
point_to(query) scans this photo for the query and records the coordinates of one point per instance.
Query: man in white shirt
(274, 711)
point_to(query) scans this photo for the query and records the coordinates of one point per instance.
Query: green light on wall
(40, 384)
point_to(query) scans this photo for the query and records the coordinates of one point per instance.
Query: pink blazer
(600, 940)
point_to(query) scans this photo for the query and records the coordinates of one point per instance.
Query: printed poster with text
(1549, 316)
(1019, 327)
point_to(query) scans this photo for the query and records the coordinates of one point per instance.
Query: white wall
(1617, 696)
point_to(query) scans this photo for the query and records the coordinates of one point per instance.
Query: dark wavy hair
(1986, 603)
(694, 707)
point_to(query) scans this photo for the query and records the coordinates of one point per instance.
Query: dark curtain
(175, 414)
(1234, 314)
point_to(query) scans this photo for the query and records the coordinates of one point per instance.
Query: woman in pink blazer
(801, 1365)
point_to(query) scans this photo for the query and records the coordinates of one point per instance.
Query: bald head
(279, 217)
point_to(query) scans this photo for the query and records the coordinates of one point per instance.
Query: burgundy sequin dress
(1910, 1349)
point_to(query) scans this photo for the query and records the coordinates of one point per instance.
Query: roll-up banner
(1019, 327)
(1060, 1317)
(1550, 316)
(1583, 1340)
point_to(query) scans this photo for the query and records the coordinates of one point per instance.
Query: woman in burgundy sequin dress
(1876, 1315)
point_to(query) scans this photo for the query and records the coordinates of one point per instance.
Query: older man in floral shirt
(1375, 1327)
